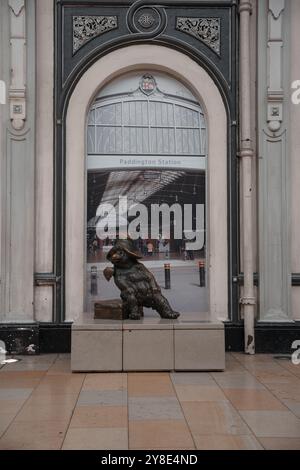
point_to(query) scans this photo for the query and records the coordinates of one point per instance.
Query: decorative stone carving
(16, 6)
(147, 20)
(86, 28)
(17, 89)
(276, 8)
(148, 84)
(275, 63)
(207, 30)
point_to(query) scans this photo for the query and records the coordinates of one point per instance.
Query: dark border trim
(269, 338)
(56, 338)
(46, 279)
(296, 279)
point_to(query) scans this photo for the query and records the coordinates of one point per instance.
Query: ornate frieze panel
(207, 30)
(86, 28)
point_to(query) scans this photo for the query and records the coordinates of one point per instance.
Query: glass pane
(186, 117)
(108, 115)
(91, 139)
(203, 142)
(179, 111)
(162, 141)
(91, 117)
(108, 140)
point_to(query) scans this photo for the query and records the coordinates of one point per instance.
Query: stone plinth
(147, 344)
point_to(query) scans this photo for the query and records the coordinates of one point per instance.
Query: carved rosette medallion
(146, 20)
(86, 28)
(206, 30)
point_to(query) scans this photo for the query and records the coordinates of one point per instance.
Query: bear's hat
(126, 245)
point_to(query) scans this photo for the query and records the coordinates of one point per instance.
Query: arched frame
(184, 69)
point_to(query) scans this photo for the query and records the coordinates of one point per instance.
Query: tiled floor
(255, 404)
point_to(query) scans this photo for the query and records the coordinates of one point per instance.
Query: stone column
(17, 171)
(273, 76)
(45, 280)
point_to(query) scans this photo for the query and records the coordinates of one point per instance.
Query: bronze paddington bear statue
(137, 285)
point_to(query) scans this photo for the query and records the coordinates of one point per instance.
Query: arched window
(146, 122)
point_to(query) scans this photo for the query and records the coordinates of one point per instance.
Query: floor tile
(26, 366)
(285, 391)
(225, 442)
(15, 393)
(96, 439)
(278, 443)
(60, 368)
(210, 418)
(260, 367)
(195, 393)
(150, 385)
(280, 376)
(46, 412)
(105, 381)
(234, 366)
(100, 417)
(34, 436)
(11, 380)
(192, 378)
(23, 374)
(11, 406)
(45, 399)
(5, 420)
(60, 384)
(154, 408)
(252, 399)
(169, 434)
(237, 380)
(103, 397)
(272, 423)
(293, 406)
(164, 376)
(294, 369)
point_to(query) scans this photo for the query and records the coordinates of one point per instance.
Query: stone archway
(183, 68)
